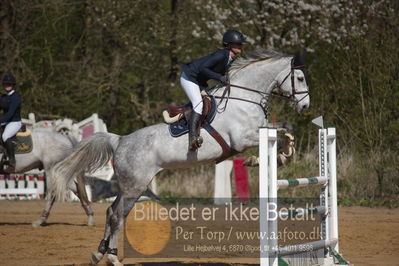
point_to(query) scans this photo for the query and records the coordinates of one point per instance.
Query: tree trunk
(5, 33)
(173, 41)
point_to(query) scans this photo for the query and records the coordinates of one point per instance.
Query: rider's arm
(15, 103)
(206, 67)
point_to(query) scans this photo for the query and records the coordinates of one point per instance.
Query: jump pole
(268, 186)
(267, 192)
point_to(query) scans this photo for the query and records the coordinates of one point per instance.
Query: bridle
(293, 90)
(265, 95)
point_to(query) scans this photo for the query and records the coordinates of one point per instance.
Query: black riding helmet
(233, 36)
(9, 79)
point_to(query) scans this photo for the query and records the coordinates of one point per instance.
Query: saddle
(22, 144)
(178, 116)
(22, 141)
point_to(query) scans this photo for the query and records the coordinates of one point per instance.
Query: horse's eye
(300, 78)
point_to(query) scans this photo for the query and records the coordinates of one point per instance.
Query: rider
(10, 103)
(197, 73)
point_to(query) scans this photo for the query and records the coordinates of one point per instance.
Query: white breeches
(193, 92)
(11, 129)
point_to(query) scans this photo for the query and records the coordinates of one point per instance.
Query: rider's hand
(224, 80)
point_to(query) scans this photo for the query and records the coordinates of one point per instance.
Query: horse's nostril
(304, 107)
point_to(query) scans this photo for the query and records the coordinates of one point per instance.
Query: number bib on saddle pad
(23, 141)
(180, 127)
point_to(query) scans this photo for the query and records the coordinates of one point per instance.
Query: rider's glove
(223, 79)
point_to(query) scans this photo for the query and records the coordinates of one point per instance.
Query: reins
(265, 95)
(227, 89)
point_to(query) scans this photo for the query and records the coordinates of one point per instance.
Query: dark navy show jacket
(212, 66)
(11, 105)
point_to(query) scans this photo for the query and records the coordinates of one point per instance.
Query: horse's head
(293, 83)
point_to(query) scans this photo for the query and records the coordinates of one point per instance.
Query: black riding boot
(11, 155)
(195, 141)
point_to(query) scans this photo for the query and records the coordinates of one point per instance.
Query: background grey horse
(138, 157)
(48, 149)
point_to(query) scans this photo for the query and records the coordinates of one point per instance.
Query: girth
(227, 151)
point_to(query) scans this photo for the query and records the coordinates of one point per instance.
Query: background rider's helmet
(233, 36)
(9, 79)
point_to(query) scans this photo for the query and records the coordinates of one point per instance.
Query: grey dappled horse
(50, 148)
(138, 157)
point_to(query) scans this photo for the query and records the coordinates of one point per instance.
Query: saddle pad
(23, 143)
(181, 127)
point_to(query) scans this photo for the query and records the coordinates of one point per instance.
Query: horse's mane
(257, 55)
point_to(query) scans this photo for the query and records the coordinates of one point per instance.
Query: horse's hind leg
(81, 193)
(116, 213)
(104, 244)
(46, 212)
(133, 180)
(116, 222)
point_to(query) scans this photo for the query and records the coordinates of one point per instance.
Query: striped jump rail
(22, 187)
(302, 248)
(302, 182)
(285, 214)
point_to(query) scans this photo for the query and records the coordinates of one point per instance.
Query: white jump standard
(324, 251)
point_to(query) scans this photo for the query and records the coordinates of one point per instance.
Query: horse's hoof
(281, 160)
(96, 257)
(251, 161)
(113, 260)
(90, 221)
(38, 223)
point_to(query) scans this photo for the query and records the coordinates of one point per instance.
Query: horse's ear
(299, 58)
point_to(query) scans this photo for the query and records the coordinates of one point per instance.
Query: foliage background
(120, 59)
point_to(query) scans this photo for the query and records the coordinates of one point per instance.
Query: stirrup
(196, 143)
(10, 169)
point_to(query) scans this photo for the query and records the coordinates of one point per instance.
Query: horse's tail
(89, 155)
